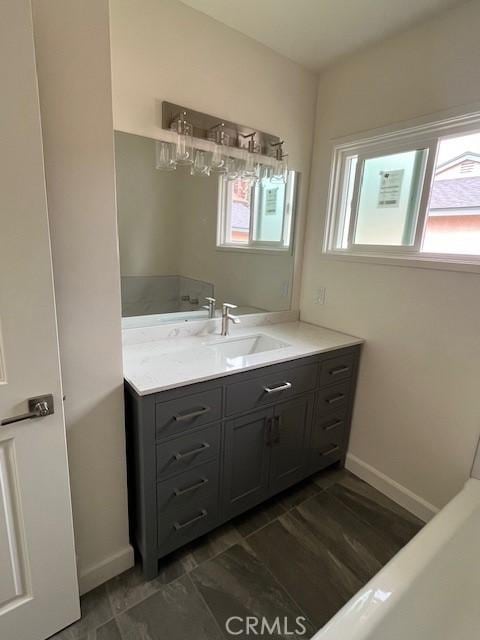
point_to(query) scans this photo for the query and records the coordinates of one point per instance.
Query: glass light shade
(256, 176)
(184, 143)
(266, 172)
(218, 159)
(201, 165)
(280, 170)
(164, 156)
(219, 153)
(250, 167)
(233, 168)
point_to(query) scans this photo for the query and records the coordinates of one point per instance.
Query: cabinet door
(245, 471)
(290, 429)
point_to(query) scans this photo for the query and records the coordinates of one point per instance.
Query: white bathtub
(430, 590)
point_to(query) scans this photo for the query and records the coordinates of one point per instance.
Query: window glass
(388, 199)
(453, 217)
(269, 220)
(256, 215)
(346, 204)
(238, 222)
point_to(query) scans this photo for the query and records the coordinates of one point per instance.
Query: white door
(38, 582)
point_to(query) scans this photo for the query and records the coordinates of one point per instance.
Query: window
(412, 193)
(453, 215)
(258, 216)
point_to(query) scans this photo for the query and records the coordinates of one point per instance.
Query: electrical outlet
(320, 295)
(285, 289)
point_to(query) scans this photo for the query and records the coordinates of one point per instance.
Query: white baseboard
(393, 490)
(95, 575)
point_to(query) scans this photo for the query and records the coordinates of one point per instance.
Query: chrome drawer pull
(329, 451)
(282, 387)
(194, 414)
(192, 487)
(201, 515)
(202, 447)
(336, 398)
(331, 426)
(335, 372)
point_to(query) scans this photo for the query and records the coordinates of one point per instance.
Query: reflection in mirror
(185, 237)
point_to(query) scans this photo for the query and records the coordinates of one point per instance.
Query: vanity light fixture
(280, 167)
(220, 142)
(220, 150)
(204, 127)
(184, 141)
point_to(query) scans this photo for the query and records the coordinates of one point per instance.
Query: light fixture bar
(204, 128)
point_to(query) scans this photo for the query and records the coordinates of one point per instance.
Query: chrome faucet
(210, 307)
(226, 317)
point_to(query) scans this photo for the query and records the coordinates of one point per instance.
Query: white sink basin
(246, 345)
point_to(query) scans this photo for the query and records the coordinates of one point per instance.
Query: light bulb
(221, 141)
(184, 142)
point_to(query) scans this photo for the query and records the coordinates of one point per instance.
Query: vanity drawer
(336, 369)
(176, 416)
(328, 429)
(333, 399)
(271, 388)
(327, 452)
(187, 490)
(186, 523)
(188, 451)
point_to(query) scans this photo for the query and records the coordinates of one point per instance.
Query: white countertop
(166, 363)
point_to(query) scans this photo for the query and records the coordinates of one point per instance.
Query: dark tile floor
(304, 553)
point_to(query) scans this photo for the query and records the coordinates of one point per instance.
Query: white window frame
(373, 144)
(224, 217)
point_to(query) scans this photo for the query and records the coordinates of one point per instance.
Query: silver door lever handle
(38, 407)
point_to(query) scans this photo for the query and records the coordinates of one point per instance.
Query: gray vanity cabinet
(201, 454)
(246, 461)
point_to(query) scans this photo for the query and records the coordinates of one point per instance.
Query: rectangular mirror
(184, 238)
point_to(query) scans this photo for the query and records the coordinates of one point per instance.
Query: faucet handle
(208, 299)
(227, 305)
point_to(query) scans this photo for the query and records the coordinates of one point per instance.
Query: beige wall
(164, 50)
(73, 61)
(417, 415)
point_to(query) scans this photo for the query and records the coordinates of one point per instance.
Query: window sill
(427, 261)
(265, 250)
